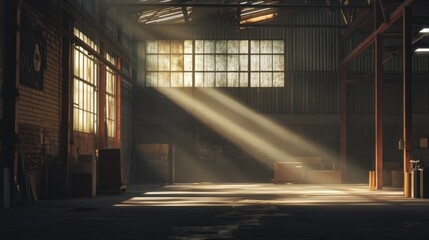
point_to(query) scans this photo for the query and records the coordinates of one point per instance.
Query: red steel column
(343, 119)
(407, 96)
(378, 87)
(379, 112)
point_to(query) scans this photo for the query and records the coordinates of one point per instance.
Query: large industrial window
(110, 97)
(85, 80)
(215, 63)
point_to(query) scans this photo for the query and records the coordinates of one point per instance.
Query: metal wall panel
(421, 62)
(360, 98)
(312, 48)
(364, 62)
(392, 51)
(314, 92)
(421, 98)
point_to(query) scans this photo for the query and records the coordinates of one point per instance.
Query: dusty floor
(225, 211)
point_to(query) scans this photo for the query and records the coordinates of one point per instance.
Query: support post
(378, 87)
(343, 119)
(407, 97)
(102, 134)
(66, 102)
(10, 91)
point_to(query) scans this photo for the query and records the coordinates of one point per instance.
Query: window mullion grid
(249, 62)
(193, 63)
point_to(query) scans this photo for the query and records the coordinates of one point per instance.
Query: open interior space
(231, 119)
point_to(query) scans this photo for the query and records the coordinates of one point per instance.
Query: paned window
(85, 82)
(215, 63)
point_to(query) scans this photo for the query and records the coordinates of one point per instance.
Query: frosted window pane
(254, 46)
(220, 79)
(164, 46)
(209, 46)
(254, 79)
(244, 46)
(199, 62)
(152, 47)
(279, 80)
(209, 62)
(76, 91)
(199, 79)
(266, 80)
(188, 46)
(220, 62)
(233, 46)
(188, 63)
(76, 63)
(176, 46)
(233, 63)
(233, 79)
(209, 78)
(110, 107)
(266, 46)
(151, 62)
(151, 79)
(176, 62)
(244, 62)
(278, 46)
(109, 82)
(244, 80)
(278, 63)
(221, 46)
(199, 46)
(188, 79)
(266, 63)
(177, 79)
(163, 62)
(164, 79)
(254, 62)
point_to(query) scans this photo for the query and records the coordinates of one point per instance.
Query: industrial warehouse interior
(229, 119)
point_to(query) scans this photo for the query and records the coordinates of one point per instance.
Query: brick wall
(39, 111)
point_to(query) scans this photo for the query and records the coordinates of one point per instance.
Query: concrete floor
(225, 211)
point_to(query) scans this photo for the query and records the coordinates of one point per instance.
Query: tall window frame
(85, 85)
(110, 117)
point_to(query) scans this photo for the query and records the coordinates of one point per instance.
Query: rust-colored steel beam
(139, 5)
(379, 111)
(379, 18)
(343, 120)
(407, 96)
(396, 14)
(364, 16)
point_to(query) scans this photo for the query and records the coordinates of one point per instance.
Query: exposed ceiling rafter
(230, 5)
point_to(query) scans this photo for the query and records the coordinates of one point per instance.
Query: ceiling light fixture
(422, 50)
(258, 19)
